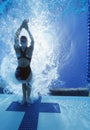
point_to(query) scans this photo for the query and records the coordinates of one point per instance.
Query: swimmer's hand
(25, 24)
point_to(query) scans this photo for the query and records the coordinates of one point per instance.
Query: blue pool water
(60, 30)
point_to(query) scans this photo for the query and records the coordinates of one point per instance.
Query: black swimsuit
(22, 73)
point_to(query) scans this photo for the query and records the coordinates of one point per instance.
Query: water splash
(44, 16)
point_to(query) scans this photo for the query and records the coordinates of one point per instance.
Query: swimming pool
(60, 30)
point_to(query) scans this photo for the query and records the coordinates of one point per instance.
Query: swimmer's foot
(28, 101)
(23, 102)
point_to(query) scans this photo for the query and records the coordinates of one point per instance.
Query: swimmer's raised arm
(31, 37)
(16, 38)
(25, 25)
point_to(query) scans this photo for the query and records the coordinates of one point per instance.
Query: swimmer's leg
(28, 92)
(24, 88)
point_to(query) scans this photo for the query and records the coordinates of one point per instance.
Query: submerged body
(24, 55)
